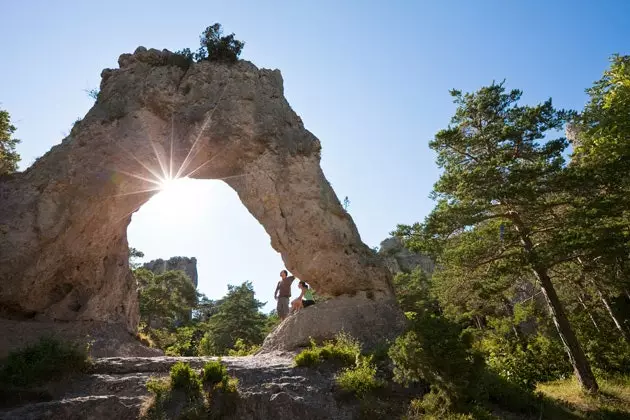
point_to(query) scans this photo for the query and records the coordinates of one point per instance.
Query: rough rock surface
(63, 222)
(349, 314)
(269, 387)
(185, 264)
(104, 339)
(399, 259)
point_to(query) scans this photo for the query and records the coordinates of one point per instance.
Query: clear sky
(369, 78)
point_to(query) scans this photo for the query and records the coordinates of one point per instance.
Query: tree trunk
(581, 366)
(590, 315)
(620, 327)
(595, 282)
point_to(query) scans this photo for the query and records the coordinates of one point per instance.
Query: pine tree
(497, 198)
(9, 158)
(238, 316)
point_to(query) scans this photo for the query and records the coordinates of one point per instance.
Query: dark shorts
(283, 307)
(307, 303)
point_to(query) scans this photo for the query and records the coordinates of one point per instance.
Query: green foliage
(48, 359)
(360, 379)
(165, 298)
(344, 349)
(9, 157)
(242, 349)
(237, 316)
(214, 372)
(185, 379)
(215, 47)
(437, 351)
(308, 357)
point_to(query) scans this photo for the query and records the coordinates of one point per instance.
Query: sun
(168, 184)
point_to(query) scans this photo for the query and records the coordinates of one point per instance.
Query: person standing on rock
(283, 294)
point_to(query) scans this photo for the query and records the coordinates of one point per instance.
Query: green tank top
(308, 295)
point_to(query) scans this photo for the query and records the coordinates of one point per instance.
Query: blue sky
(370, 79)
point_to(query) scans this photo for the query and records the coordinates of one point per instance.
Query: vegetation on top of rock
(47, 360)
(215, 47)
(187, 395)
(9, 157)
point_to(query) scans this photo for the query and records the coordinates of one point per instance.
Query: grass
(47, 360)
(612, 402)
(184, 378)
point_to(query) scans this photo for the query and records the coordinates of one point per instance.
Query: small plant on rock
(185, 379)
(360, 379)
(214, 372)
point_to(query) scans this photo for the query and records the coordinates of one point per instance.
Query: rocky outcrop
(63, 222)
(348, 313)
(399, 259)
(104, 339)
(269, 387)
(185, 264)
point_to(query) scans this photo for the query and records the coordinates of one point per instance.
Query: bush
(344, 349)
(185, 379)
(215, 47)
(242, 349)
(437, 352)
(47, 360)
(308, 357)
(214, 372)
(361, 379)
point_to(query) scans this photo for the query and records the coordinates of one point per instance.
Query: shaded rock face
(399, 259)
(350, 314)
(63, 222)
(269, 388)
(185, 264)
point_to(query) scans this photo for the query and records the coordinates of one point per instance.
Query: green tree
(238, 316)
(497, 196)
(134, 254)
(600, 169)
(9, 157)
(165, 298)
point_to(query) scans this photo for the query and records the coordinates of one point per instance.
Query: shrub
(49, 359)
(242, 349)
(214, 372)
(308, 358)
(436, 351)
(361, 379)
(185, 379)
(160, 387)
(344, 349)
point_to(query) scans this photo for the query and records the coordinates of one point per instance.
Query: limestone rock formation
(63, 222)
(185, 264)
(399, 259)
(350, 314)
(269, 388)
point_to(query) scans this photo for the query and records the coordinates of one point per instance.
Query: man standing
(283, 294)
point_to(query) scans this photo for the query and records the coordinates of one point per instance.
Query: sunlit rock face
(63, 222)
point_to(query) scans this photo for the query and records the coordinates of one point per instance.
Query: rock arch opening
(205, 219)
(63, 238)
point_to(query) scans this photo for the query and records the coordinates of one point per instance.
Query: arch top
(63, 246)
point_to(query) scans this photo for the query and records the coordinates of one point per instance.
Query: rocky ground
(114, 388)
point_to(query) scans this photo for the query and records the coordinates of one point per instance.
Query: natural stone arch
(63, 246)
